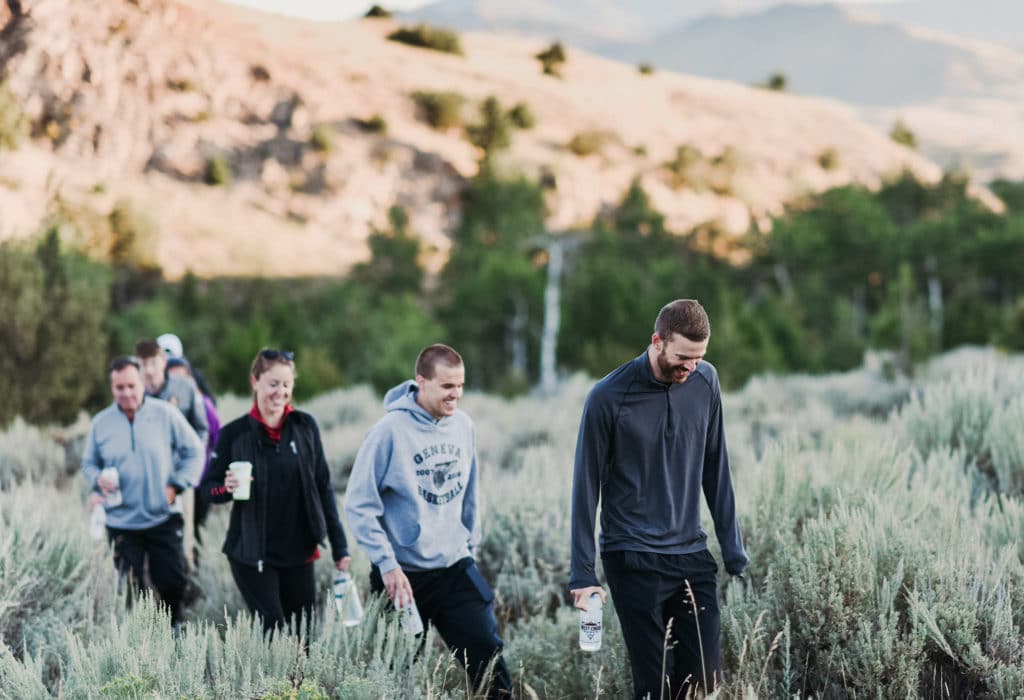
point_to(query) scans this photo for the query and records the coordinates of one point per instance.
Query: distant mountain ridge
(584, 23)
(1000, 21)
(822, 50)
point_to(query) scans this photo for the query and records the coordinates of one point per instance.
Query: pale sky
(325, 10)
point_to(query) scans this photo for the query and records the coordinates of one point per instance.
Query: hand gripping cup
(113, 498)
(243, 471)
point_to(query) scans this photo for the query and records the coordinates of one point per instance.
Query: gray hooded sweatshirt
(411, 497)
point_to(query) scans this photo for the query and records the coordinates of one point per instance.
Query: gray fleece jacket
(411, 497)
(155, 450)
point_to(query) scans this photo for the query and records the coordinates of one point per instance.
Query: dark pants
(460, 604)
(280, 595)
(162, 543)
(200, 513)
(649, 590)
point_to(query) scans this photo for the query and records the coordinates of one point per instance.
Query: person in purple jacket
(651, 440)
(178, 365)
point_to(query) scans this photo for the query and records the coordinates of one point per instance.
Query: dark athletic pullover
(647, 450)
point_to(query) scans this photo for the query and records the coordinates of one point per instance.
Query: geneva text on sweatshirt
(155, 450)
(648, 450)
(411, 497)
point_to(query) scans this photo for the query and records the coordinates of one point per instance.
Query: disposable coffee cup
(114, 497)
(243, 471)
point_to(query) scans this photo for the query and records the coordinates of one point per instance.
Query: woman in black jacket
(273, 536)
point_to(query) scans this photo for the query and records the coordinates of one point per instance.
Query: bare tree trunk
(518, 332)
(552, 318)
(935, 316)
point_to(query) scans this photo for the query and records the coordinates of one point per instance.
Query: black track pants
(163, 544)
(460, 604)
(649, 590)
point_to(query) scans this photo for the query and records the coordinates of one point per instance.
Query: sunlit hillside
(264, 145)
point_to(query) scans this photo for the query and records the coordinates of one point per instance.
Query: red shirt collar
(273, 433)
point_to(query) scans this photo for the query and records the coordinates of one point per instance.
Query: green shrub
(646, 68)
(181, 84)
(1011, 192)
(374, 125)
(521, 116)
(134, 236)
(323, 137)
(588, 143)
(552, 58)
(828, 159)
(376, 11)
(683, 168)
(901, 134)
(723, 171)
(689, 168)
(218, 171)
(14, 126)
(493, 131)
(442, 110)
(777, 82)
(54, 305)
(428, 37)
(259, 73)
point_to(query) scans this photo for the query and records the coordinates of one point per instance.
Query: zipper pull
(259, 566)
(295, 450)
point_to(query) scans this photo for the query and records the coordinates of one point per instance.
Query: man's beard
(667, 370)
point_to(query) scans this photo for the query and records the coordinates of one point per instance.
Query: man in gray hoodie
(156, 455)
(411, 504)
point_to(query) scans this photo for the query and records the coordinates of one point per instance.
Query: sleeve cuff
(387, 564)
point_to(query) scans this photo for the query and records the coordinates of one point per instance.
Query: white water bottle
(98, 522)
(346, 599)
(590, 624)
(411, 620)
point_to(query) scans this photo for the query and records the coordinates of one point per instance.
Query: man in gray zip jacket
(651, 440)
(156, 455)
(411, 504)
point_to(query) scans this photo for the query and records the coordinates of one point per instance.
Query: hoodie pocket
(405, 533)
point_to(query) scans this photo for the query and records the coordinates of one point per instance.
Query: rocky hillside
(136, 100)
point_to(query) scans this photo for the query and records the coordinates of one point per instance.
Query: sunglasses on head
(286, 355)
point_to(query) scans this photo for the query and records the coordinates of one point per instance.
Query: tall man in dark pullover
(651, 439)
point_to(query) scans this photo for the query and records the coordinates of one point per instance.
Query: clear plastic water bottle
(113, 498)
(346, 599)
(98, 522)
(411, 620)
(590, 624)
